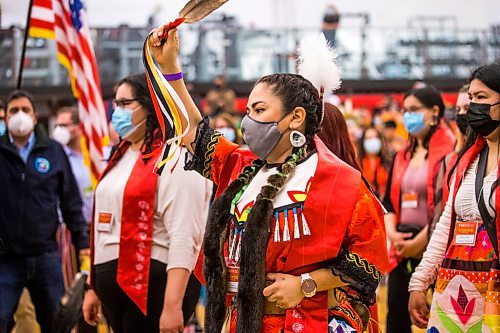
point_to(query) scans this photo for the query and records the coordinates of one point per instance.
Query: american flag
(66, 22)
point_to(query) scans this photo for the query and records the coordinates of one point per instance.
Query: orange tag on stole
(409, 200)
(233, 276)
(465, 232)
(104, 222)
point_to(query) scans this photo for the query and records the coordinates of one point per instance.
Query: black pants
(122, 313)
(398, 317)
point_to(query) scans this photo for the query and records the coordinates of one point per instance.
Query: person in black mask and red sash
(463, 251)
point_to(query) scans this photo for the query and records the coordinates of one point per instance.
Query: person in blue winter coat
(35, 180)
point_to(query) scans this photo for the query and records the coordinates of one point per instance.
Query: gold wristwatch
(308, 285)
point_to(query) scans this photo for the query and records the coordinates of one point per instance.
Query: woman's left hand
(171, 319)
(286, 290)
(408, 249)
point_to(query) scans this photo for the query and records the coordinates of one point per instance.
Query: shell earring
(297, 139)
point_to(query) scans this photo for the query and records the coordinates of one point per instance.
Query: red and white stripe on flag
(69, 24)
(42, 19)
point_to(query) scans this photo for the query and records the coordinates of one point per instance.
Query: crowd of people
(289, 215)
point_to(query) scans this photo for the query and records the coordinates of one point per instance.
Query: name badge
(233, 275)
(409, 200)
(465, 232)
(104, 221)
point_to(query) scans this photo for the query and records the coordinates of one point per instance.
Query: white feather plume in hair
(317, 62)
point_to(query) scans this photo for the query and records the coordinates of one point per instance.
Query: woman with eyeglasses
(412, 194)
(147, 229)
(463, 251)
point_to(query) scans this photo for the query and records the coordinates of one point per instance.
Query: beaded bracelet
(173, 77)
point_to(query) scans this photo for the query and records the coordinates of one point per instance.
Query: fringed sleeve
(211, 152)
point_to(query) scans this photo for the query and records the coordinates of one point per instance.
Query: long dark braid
(250, 302)
(214, 267)
(294, 91)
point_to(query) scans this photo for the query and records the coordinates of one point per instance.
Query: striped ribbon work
(169, 108)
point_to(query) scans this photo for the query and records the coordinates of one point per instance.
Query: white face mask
(372, 146)
(20, 124)
(61, 134)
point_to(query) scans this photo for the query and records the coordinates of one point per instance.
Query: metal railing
(245, 55)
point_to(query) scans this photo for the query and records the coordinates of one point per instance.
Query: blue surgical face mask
(228, 132)
(414, 122)
(3, 128)
(122, 121)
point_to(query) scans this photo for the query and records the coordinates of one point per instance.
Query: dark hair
(382, 153)
(390, 124)
(429, 97)
(295, 91)
(16, 94)
(489, 75)
(75, 119)
(140, 91)
(335, 136)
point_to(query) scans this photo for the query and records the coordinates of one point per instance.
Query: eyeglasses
(413, 109)
(123, 101)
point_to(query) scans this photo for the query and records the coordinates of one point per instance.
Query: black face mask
(478, 116)
(450, 114)
(462, 123)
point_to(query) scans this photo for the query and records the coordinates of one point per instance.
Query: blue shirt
(82, 176)
(25, 150)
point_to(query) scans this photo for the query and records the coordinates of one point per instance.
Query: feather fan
(195, 10)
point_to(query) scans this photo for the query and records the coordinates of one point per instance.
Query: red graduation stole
(446, 186)
(136, 226)
(136, 235)
(441, 144)
(462, 167)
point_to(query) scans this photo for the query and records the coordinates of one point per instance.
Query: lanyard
(485, 216)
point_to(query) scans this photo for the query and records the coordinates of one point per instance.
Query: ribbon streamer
(168, 106)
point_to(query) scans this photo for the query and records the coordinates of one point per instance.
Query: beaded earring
(297, 139)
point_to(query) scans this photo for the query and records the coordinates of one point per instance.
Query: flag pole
(23, 53)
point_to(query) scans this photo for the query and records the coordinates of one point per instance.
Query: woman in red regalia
(295, 240)
(412, 194)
